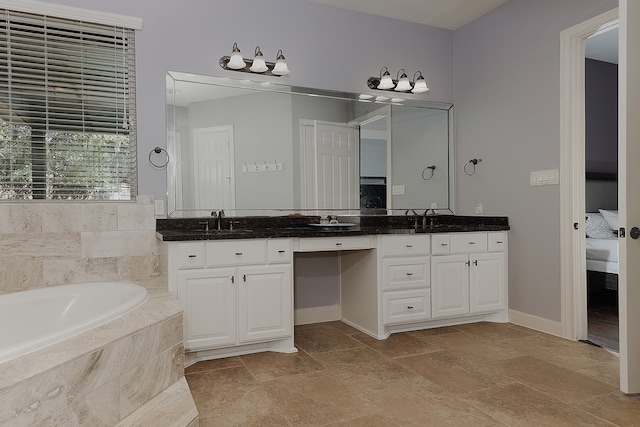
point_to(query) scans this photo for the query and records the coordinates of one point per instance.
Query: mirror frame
(263, 86)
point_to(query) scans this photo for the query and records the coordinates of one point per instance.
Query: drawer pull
(475, 262)
(467, 263)
(472, 243)
(409, 307)
(281, 252)
(409, 274)
(444, 244)
(193, 256)
(239, 253)
(233, 280)
(339, 244)
(244, 277)
(409, 246)
(499, 242)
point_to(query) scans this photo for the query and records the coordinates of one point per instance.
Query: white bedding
(602, 255)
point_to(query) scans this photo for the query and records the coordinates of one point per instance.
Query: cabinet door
(209, 300)
(487, 283)
(265, 303)
(449, 285)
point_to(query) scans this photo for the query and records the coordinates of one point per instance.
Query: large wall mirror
(256, 148)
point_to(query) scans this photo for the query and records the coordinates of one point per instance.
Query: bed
(602, 255)
(602, 245)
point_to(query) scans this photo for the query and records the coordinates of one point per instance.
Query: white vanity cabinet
(234, 292)
(405, 279)
(468, 274)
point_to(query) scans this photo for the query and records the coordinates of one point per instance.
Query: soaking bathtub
(33, 319)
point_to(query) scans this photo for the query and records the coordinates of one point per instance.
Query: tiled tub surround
(127, 372)
(46, 244)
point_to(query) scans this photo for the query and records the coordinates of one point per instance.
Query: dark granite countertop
(190, 229)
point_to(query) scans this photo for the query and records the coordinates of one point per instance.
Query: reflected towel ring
(472, 162)
(159, 150)
(433, 170)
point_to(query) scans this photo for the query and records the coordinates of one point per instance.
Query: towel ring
(433, 170)
(159, 150)
(473, 163)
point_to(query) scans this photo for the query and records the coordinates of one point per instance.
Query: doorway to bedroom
(601, 188)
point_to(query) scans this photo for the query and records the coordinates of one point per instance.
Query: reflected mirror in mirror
(256, 148)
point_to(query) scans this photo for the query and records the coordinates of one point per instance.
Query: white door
(265, 309)
(337, 166)
(210, 299)
(628, 195)
(487, 283)
(213, 171)
(449, 285)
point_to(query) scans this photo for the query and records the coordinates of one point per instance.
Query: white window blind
(67, 109)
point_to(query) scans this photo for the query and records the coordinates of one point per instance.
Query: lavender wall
(507, 113)
(601, 116)
(325, 47)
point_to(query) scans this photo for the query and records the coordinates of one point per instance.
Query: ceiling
(448, 14)
(453, 14)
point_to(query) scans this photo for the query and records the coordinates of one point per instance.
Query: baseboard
(326, 313)
(535, 322)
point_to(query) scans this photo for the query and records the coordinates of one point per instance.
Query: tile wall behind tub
(46, 244)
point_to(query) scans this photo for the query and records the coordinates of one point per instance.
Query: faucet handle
(205, 226)
(221, 214)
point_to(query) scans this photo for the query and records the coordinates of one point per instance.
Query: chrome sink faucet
(217, 219)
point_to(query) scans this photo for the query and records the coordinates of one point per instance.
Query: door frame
(572, 171)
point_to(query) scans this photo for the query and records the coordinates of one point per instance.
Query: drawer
(191, 255)
(406, 306)
(497, 242)
(334, 243)
(440, 244)
(404, 245)
(236, 252)
(468, 243)
(406, 273)
(279, 250)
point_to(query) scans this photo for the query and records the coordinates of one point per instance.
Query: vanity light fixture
(403, 82)
(258, 65)
(280, 69)
(400, 84)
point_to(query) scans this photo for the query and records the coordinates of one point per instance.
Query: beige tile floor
(479, 374)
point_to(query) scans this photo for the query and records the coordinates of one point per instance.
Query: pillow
(611, 217)
(597, 227)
